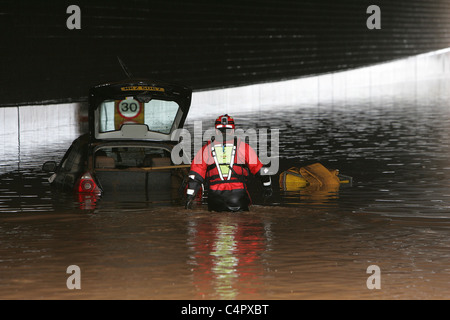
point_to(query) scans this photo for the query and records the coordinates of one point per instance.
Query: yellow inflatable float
(313, 176)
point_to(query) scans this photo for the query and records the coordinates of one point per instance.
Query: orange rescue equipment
(315, 175)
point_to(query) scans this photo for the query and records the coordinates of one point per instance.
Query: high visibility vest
(224, 167)
(224, 159)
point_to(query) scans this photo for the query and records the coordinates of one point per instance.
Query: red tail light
(86, 184)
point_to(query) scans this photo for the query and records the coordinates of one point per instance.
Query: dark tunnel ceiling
(202, 44)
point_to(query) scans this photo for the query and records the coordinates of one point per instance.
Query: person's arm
(266, 181)
(258, 170)
(196, 176)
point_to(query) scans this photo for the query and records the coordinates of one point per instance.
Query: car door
(72, 164)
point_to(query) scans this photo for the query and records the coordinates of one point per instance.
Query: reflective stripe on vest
(224, 159)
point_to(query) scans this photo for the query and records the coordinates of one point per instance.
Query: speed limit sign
(129, 108)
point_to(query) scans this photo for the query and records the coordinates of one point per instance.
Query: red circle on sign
(121, 111)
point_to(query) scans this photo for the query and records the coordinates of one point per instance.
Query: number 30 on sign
(129, 108)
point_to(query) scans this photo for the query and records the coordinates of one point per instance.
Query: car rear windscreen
(158, 115)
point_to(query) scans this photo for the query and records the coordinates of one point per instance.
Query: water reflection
(227, 255)
(38, 133)
(316, 196)
(397, 154)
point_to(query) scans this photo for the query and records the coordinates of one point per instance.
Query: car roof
(159, 89)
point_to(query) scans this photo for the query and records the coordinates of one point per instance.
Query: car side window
(65, 162)
(74, 157)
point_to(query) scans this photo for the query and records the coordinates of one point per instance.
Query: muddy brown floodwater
(298, 245)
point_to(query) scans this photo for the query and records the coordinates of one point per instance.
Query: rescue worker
(222, 167)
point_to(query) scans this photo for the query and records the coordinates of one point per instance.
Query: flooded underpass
(394, 217)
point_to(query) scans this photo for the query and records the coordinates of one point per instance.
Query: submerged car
(127, 150)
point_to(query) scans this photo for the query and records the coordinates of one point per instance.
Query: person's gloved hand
(267, 192)
(266, 182)
(189, 202)
(194, 186)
